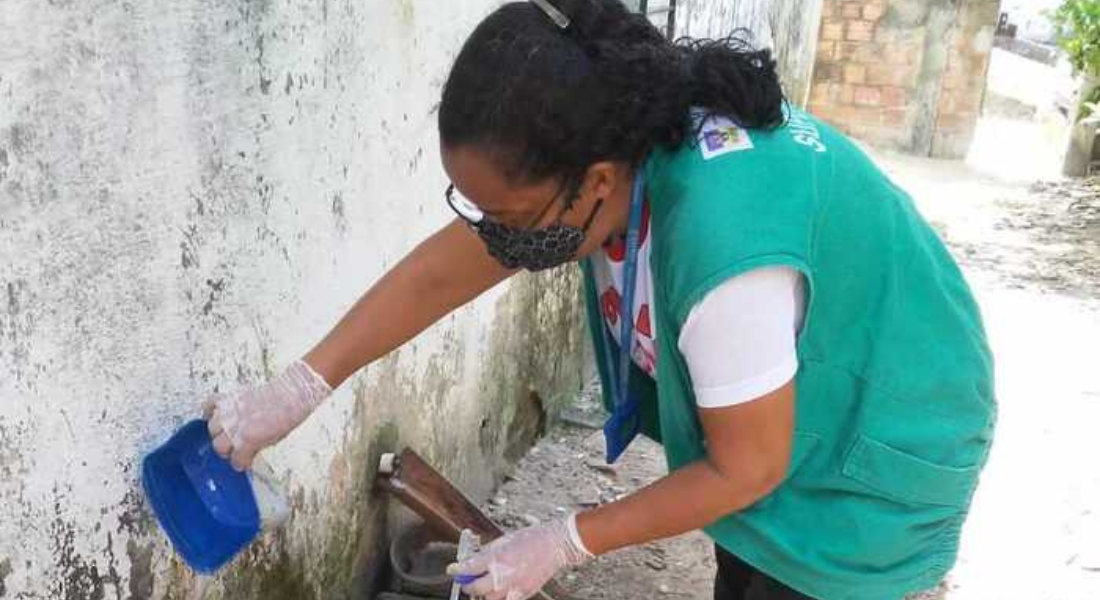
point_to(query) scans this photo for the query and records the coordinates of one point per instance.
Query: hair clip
(551, 11)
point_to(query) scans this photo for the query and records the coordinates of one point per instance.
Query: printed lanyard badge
(625, 422)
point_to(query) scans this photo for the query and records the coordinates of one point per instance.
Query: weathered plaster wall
(905, 74)
(191, 193)
(790, 29)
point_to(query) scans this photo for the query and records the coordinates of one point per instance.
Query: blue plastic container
(207, 509)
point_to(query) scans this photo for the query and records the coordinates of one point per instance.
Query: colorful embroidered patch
(721, 136)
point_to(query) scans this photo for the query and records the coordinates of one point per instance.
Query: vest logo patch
(720, 136)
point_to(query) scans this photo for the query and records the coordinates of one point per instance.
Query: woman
(800, 340)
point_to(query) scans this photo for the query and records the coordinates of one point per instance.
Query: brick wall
(904, 74)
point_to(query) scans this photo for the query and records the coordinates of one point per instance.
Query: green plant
(1077, 23)
(1090, 113)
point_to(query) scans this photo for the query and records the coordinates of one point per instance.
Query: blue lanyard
(623, 425)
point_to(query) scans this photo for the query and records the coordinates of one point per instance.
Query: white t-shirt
(738, 342)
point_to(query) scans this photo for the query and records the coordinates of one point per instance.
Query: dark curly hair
(544, 102)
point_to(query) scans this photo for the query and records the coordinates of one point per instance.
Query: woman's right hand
(245, 422)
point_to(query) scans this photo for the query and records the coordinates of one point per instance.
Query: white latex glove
(243, 423)
(516, 566)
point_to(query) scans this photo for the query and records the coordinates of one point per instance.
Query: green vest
(894, 394)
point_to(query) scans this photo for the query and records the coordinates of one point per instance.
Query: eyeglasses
(475, 217)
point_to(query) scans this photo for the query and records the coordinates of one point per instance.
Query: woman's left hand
(516, 566)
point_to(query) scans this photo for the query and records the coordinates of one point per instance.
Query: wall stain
(907, 14)
(112, 578)
(134, 517)
(200, 208)
(20, 139)
(216, 287)
(347, 560)
(265, 191)
(78, 578)
(414, 162)
(13, 299)
(406, 14)
(265, 82)
(338, 211)
(12, 466)
(5, 570)
(141, 570)
(189, 256)
(17, 327)
(4, 163)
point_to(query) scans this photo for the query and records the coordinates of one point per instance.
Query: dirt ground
(1029, 243)
(566, 472)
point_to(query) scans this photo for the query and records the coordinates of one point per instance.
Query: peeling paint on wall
(77, 577)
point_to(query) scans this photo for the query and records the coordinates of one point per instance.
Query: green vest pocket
(902, 476)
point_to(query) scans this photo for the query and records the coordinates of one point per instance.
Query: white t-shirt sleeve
(739, 341)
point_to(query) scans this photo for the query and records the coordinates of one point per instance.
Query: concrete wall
(905, 74)
(790, 29)
(191, 193)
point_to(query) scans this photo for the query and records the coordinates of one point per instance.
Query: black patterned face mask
(516, 248)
